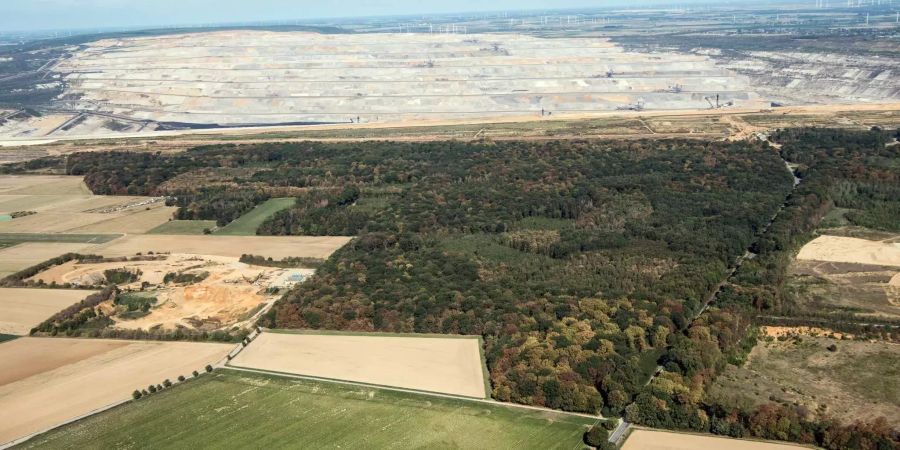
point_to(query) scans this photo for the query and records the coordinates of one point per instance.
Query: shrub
(180, 377)
(209, 368)
(167, 383)
(196, 374)
(152, 389)
(136, 394)
(596, 436)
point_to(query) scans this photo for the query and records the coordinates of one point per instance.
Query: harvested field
(60, 379)
(62, 204)
(247, 224)
(276, 247)
(22, 309)
(22, 256)
(857, 380)
(646, 439)
(231, 409)
(450, 365)
(190, 227)
(851, 250)
(226, 294)
(42, 185)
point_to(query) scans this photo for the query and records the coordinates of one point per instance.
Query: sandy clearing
(231, 295)
(53, 396)
(776, 332)
(642, 439)
(277, 247)
(23, 309)
(20, 363)
(445, 365)
(851, 250)
(18, 257)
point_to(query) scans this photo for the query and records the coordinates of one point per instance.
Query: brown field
(851, 250)
(446, 365)
(18, 257)
(23, 309)
(277, 247)
(60, 379)
(645, 439)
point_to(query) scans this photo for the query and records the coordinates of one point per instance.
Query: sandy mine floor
(641, 439)
(446, 365)
(851, 250)
(23, 309)
(231, 295)
(270, 246)
(258, 77)
(77, 376)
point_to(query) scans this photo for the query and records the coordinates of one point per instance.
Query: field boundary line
(410, 391)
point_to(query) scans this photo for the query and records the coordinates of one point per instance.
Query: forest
(584, 264)
(837, 168)
(577, 261)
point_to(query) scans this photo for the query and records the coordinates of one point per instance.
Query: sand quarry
(645, 439)
(23, 309)
(450, 365)
(45, 382)
(231, 294)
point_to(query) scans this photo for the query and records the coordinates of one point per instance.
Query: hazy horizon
(41, 15)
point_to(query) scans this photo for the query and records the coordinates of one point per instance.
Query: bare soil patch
(106, 373)
(851, 250)
(434, 364)
(645, 439)
(23, 309)
(228, 293)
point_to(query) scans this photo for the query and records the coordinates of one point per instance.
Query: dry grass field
(275, 246)
(645, 439)
(855, 381)
(435, 364)
(22, 309)
(56, 380)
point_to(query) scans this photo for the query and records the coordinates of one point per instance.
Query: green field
(231, 409)
(247, 224)
(184, 227)
(6, 337)
(17, 238)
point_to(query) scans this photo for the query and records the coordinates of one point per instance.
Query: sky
(35, 15)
